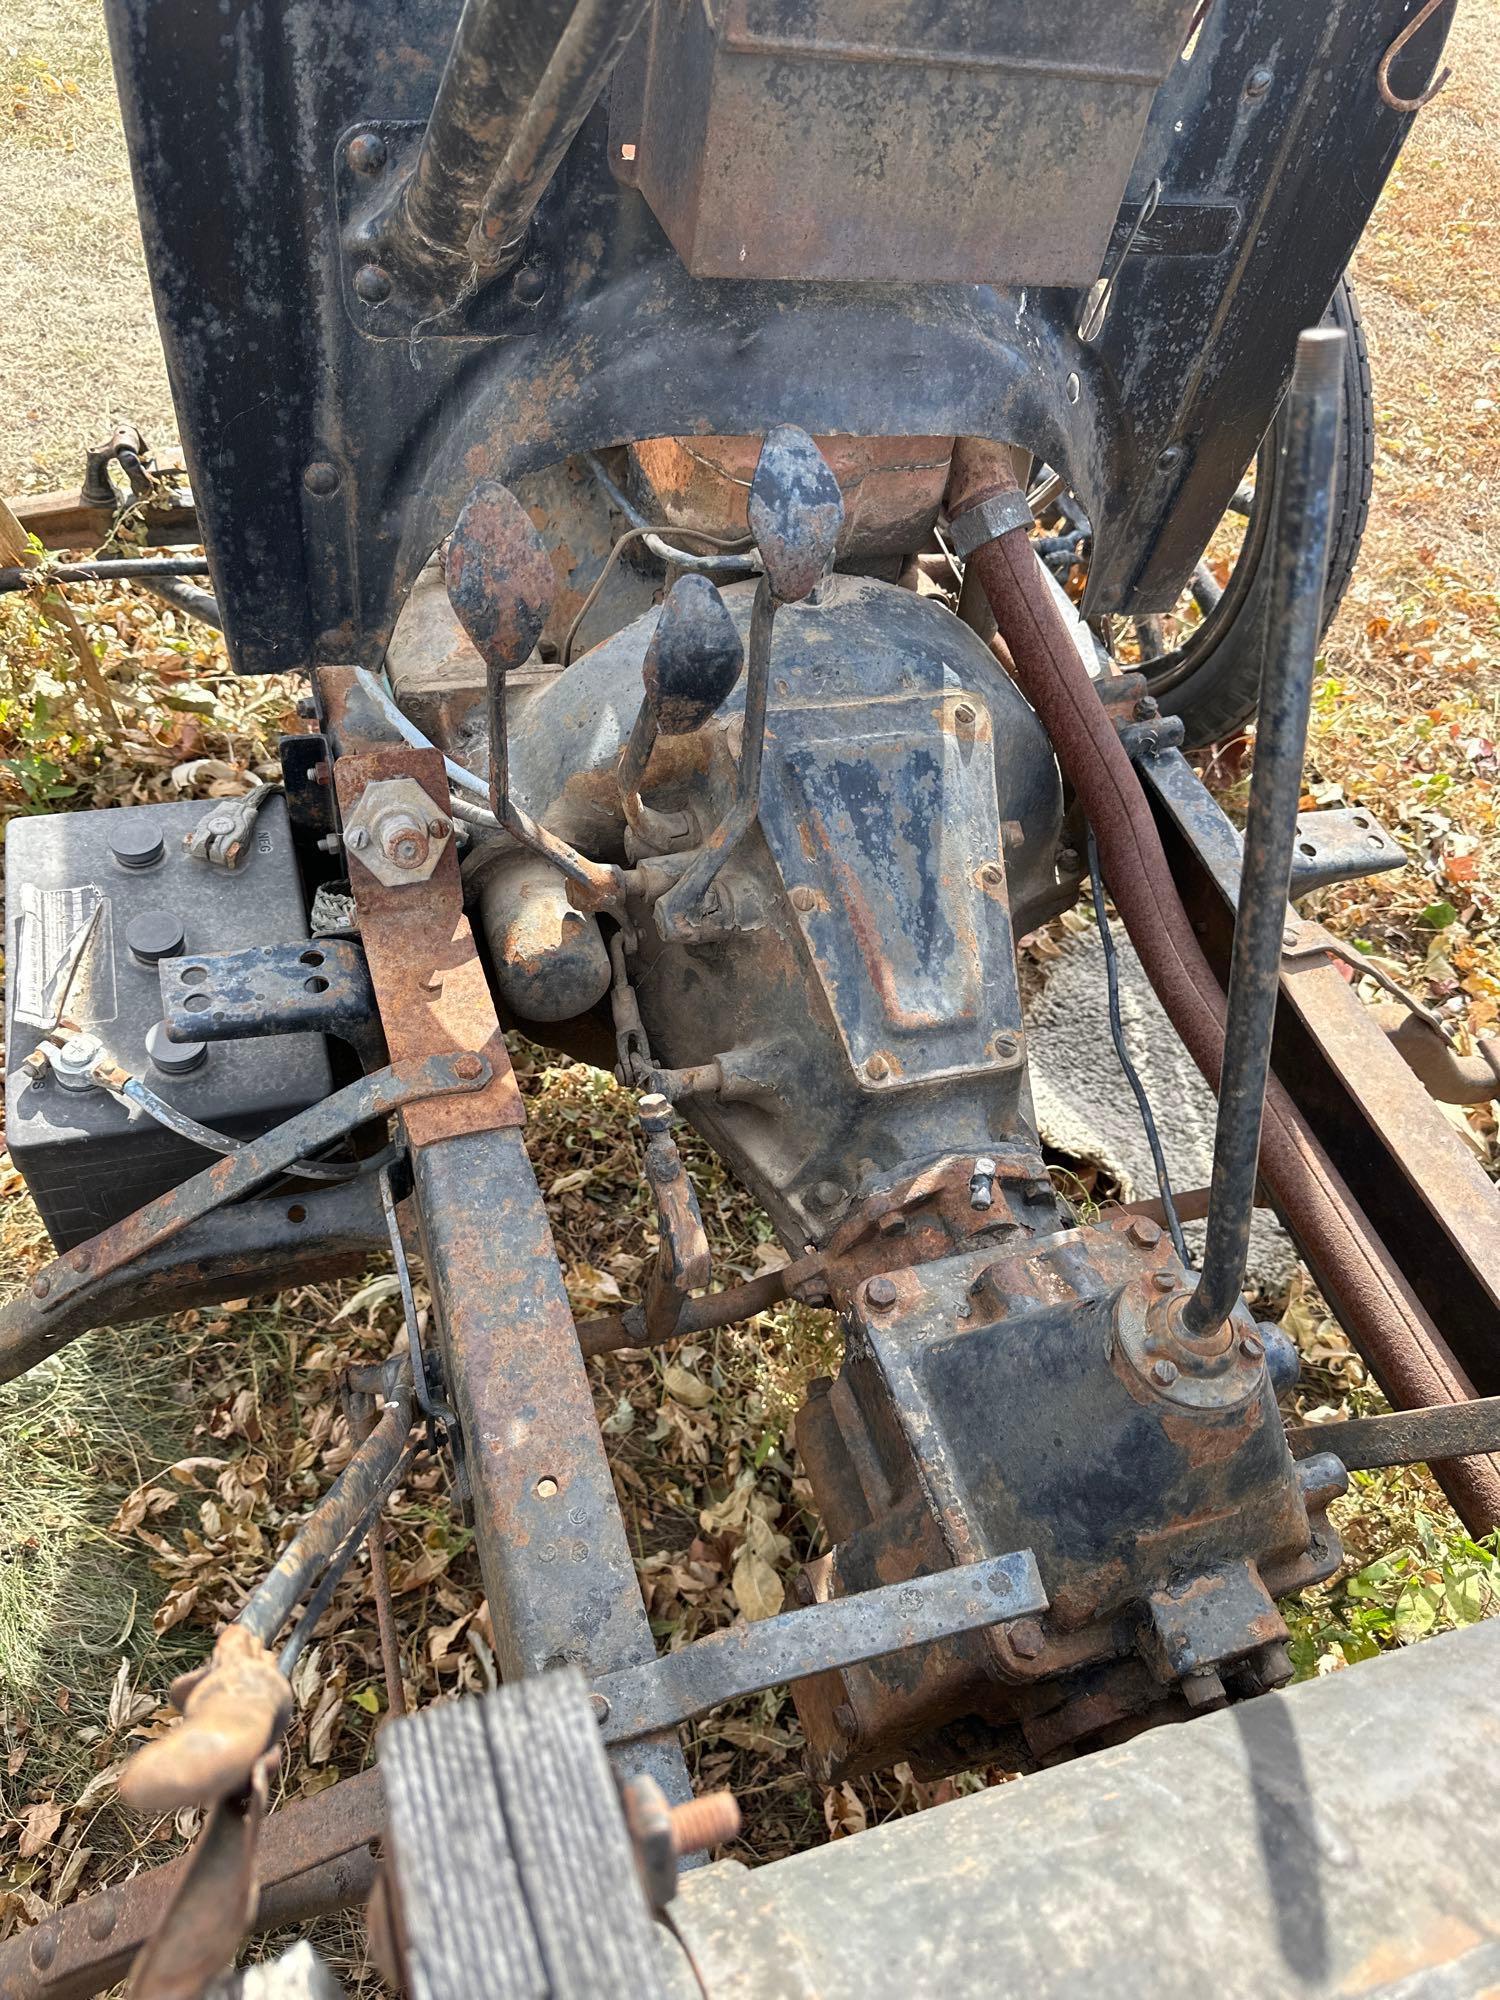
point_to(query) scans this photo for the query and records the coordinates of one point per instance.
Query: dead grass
(167, 1462)
(79, 353)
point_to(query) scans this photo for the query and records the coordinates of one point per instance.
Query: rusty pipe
(1407, 1354)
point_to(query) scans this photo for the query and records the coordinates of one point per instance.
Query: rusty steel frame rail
(313, 1858)
(553, 1552)
(1351, 1263)
(1435, 1210)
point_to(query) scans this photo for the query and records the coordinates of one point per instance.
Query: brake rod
(744, 1659)
(1405, 1437)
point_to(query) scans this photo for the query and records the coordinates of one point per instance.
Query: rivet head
(322, 479)
(877, 1067)
(367, 153)
(1170, 459)
(44, 1946)
(1258, 82)
(880, 1293)
(599, 1703)
(80, 1260)
(372, 284)
(529, 284)
(803, 899)
(103, 1917)
(40, 1286)
(1164, 1372)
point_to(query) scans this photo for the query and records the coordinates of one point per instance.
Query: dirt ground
(151, 1474)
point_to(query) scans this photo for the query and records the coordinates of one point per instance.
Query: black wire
(1117, 1036)
(333, 1575)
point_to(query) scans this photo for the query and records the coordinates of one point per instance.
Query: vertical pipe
(500, 53)
(1301, 533)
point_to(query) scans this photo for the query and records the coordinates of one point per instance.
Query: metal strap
(992, 518)
(743, 1659)
(1406, 1437)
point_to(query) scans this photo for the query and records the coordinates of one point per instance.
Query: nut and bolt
(403, 838)
(1027, 1639)
(982, 1183)
(704, 1823)
(372, 284)
(1069, 861)
(1144, 1233)
(1164, 1373)
(1147, 708)
(803, 899)
(880, 1293)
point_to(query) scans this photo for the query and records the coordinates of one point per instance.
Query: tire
(1213, 681)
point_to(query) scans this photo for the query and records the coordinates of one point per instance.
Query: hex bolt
(1069, 861)
(1144, 1233)
(467, 1068)
(880, 1293)
(1164, 1372)
(1038, 1190)
(1027, 1639)
(982, 1183)
(803, 899)
(1164, 1281)
(372, 284)
(704, 1823)
(1147, 708)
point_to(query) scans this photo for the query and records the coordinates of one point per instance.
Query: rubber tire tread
(1220, 696)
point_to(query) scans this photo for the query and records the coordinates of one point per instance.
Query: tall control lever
(796, 516)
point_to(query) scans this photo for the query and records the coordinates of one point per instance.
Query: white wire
(404, 727)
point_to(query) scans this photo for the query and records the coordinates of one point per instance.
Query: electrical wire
(1132, 1076)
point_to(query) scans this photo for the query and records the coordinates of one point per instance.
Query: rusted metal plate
(429, 982)
(553, 1553)
(779, 142)
(313, 1857)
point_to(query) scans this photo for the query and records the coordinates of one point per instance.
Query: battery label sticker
(62, 963)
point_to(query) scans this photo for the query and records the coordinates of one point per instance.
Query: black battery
(92, 901)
